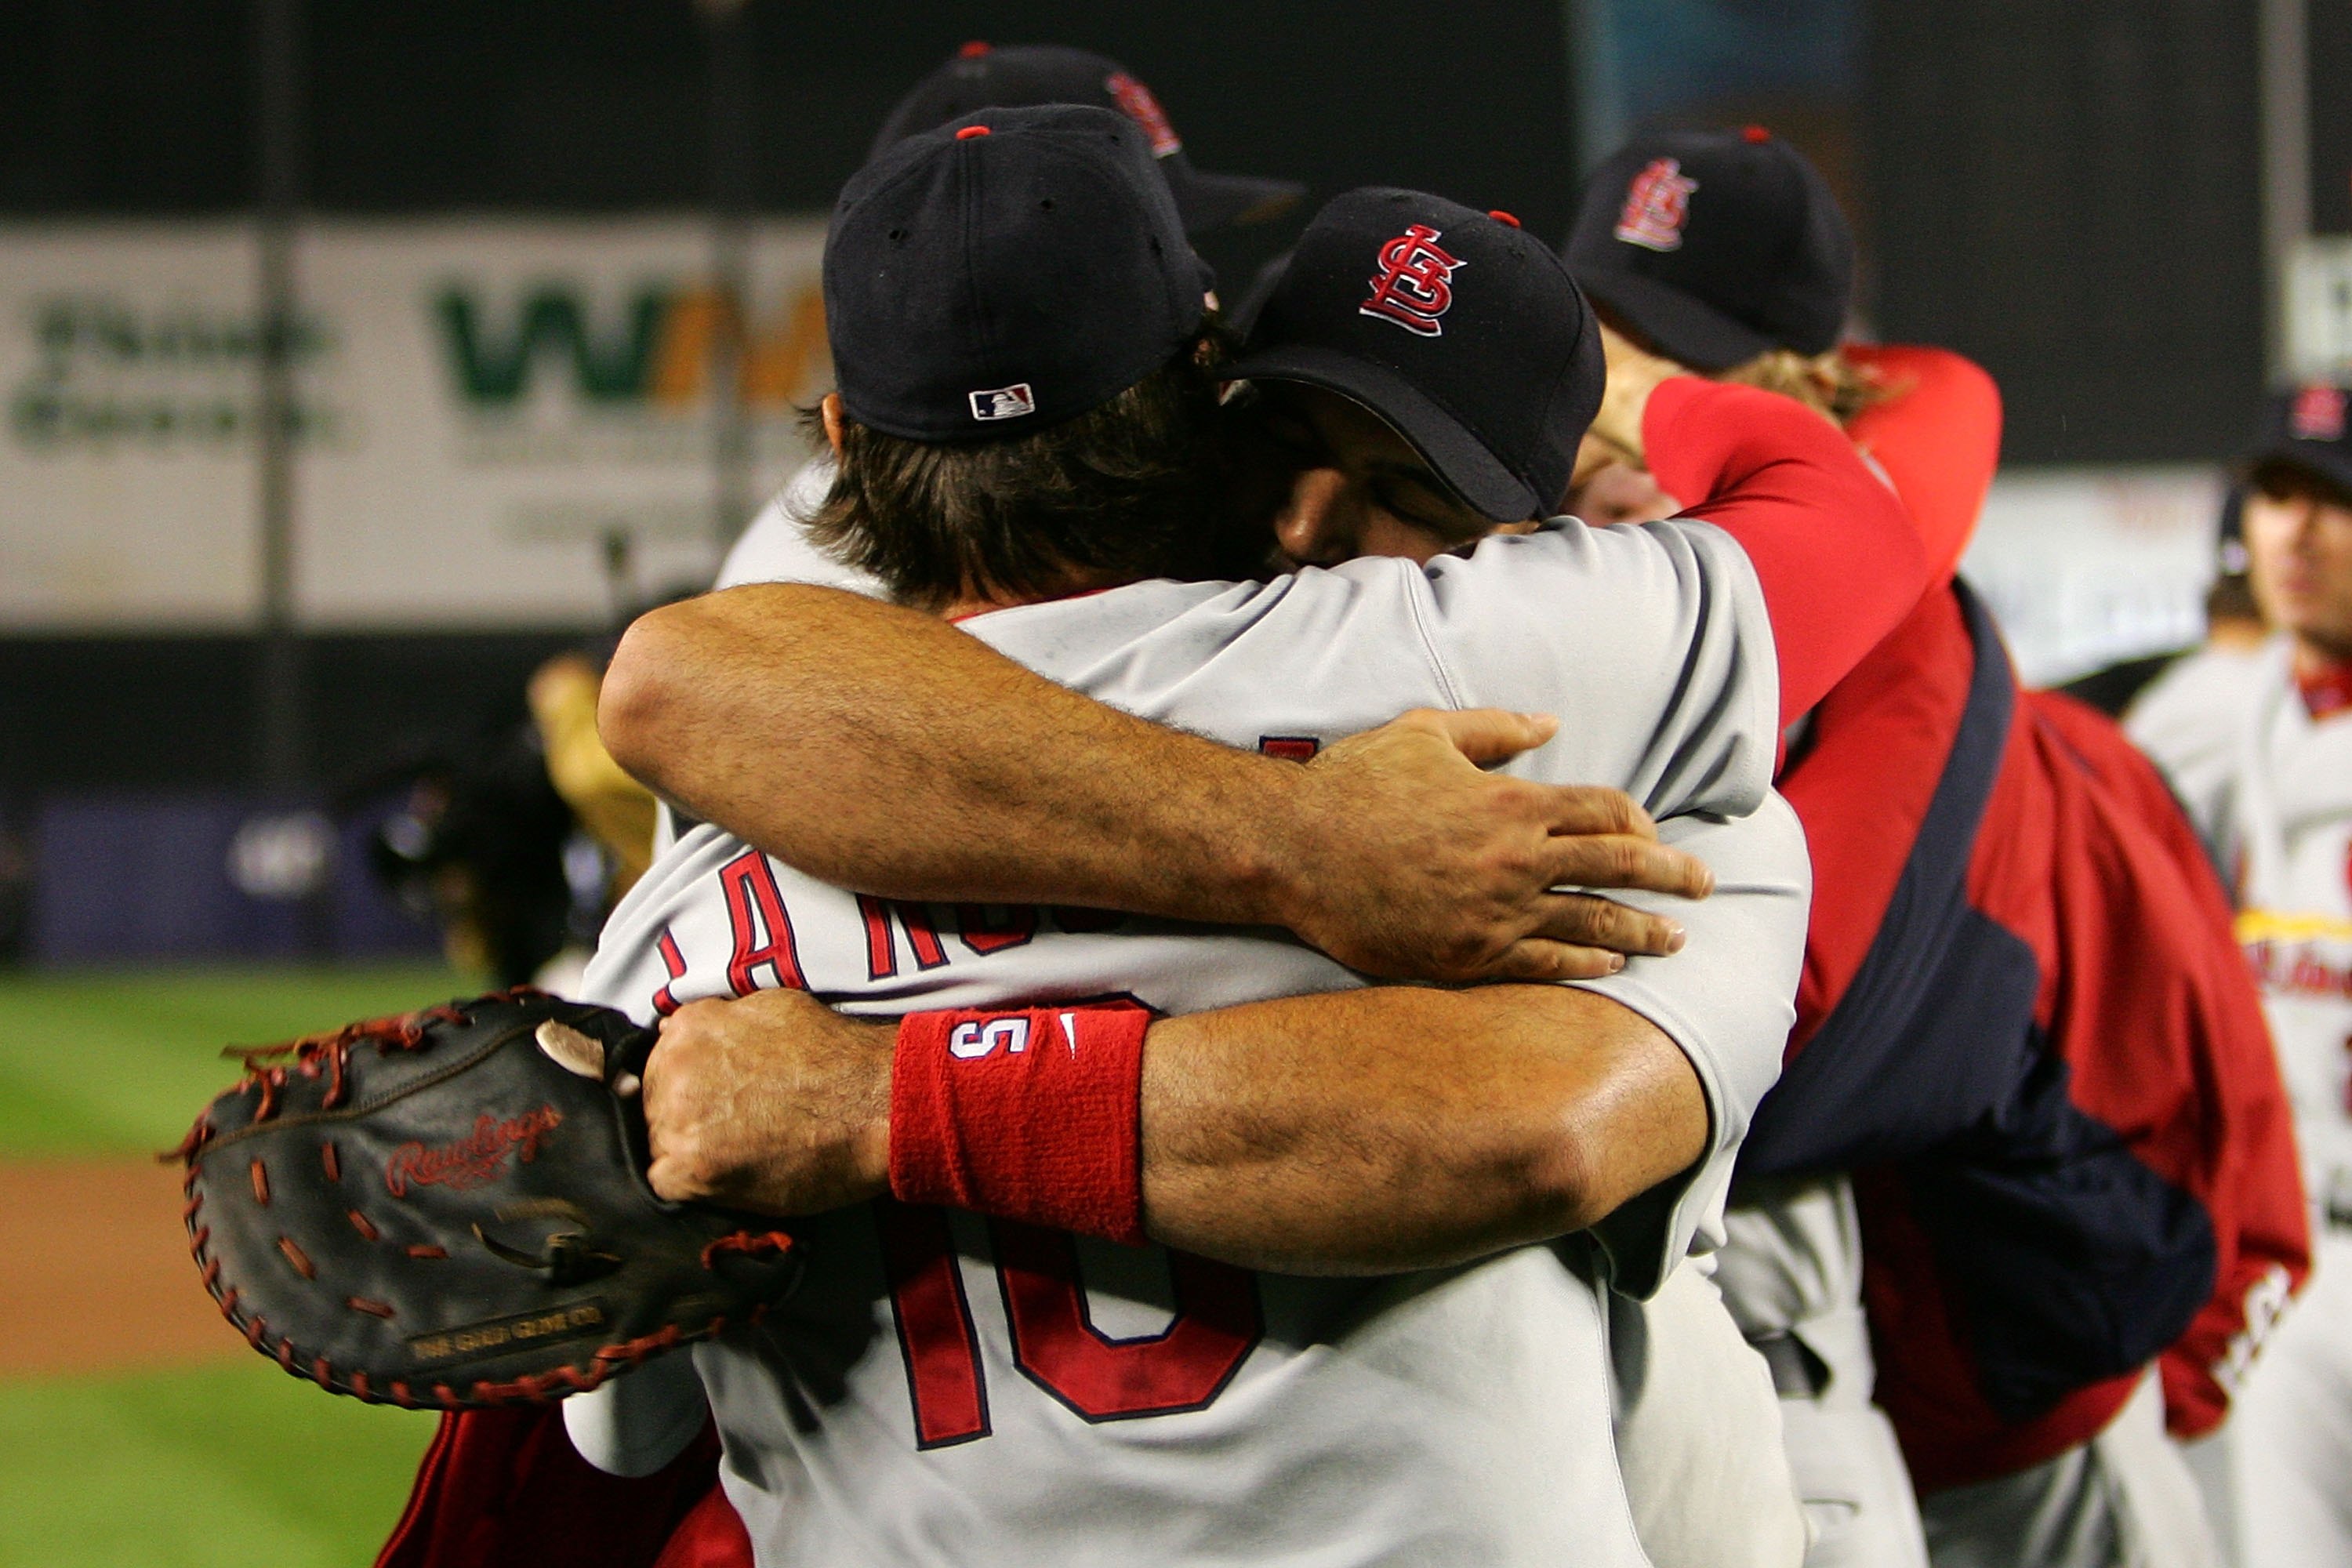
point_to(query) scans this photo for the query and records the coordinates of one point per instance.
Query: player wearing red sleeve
(1802, 483)
(1784, 481)
(2017, 1022)
(1939, 625)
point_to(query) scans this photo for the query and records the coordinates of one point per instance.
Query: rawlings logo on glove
(472, 1159)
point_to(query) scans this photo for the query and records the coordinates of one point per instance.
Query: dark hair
(1128, 489)
(2283, 478)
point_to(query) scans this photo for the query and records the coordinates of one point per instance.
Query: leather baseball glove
(449, 1209)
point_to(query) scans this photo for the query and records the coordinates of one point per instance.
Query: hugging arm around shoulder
(882, 750)
(1841, 559)
(873, 745)
(1395, 1127)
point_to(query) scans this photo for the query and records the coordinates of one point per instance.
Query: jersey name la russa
(946, 1389)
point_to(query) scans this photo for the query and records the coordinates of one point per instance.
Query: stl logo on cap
(1415, 285)
(1135, 101)
(2318, 413)
(1003, 401)
(1657, 204)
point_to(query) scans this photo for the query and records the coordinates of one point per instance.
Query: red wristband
(1032, 1115)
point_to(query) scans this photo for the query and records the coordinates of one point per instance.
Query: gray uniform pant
(2123, 1499)
(1792, 1274)
(1699, 1433)
(2286, 1450)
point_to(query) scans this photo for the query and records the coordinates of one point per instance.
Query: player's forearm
(884, 751)
(1839, 557)
(1397, 1128)
(1357, 1132)
(879, 749)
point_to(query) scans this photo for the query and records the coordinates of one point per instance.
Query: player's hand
(774, 1102)
(1407, 860)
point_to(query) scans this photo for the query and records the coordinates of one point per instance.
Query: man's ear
(831, 410)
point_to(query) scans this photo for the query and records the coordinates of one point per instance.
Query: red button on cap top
(974, 49)
(1501, 216)
(969, 132)
(1754, 133)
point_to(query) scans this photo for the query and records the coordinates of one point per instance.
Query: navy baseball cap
(2308, 428)
(982, 76)
(1457, 327)
(1715, 246)
(1000, 275)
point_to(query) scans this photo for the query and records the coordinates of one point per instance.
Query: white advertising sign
(498, 422)
(2087, 567)
(127, 484)
(491, 412)
(2319, 308)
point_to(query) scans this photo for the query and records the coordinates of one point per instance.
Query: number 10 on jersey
(1217, 1322)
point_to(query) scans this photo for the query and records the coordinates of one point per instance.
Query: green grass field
(230, 1463)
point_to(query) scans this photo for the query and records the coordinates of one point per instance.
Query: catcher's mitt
(449, 1209)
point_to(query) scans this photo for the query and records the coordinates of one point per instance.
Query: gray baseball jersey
(775, 548)
(2270, 787)
(2279, 805)
(2188, 722)
(947, 1389)
(2291, 809)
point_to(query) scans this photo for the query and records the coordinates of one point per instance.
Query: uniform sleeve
(1724, 1000)
(1650, 643)
(1937, 437)
(1839, 558)
(2187, 722)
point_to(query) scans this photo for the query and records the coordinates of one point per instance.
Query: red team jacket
(2022, 1020)
(503, 1489)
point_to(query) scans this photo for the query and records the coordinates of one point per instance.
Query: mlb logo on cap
(1004, 402)
(987, 281)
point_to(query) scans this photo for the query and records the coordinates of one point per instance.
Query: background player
(2281, 814)
(1927, 762)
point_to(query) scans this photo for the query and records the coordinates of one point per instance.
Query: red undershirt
(2325, 686)
(1839, 558)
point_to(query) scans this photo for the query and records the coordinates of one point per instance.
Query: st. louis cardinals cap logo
(1136, 101)
(1414, 286)
(1657, 204)
(2318, 413)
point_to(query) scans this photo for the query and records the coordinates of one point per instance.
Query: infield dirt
(94, 1271)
